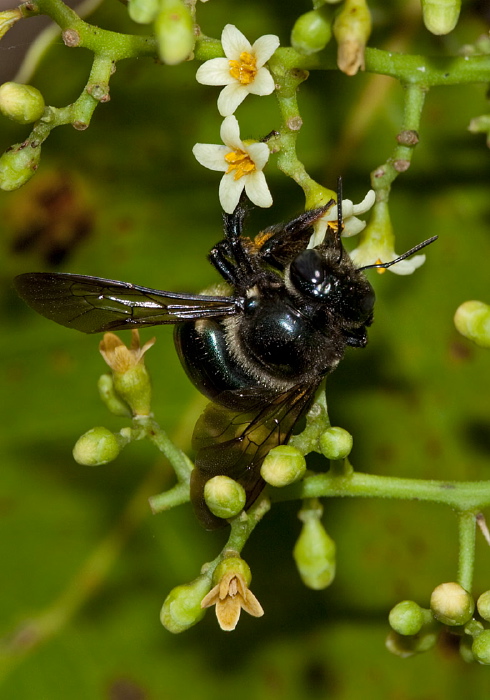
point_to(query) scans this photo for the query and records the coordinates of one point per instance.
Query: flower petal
(234, 42)
(263, 83)
(259, 153)
(212, 156)
(264, 47)
(230, 191)
(406, 267)
(257, 189)
(231, 97)
(216, 71)
(230, 133)
(366, 203)
(211, 598)
(353, 226)
(251, 605)
(228, 613)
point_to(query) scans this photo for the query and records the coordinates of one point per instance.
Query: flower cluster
(242, 72)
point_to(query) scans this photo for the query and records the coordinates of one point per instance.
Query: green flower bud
(110, 398)
(134, 387)
(311, 32)
(21, 103)
(451, 604)
(472, 319)
(232, 565)
(283, 466)
(473, 628)
(96, 446)
(407, 618)
(352, 28)
(404, 647)
(314, 552)
(483, 605)
(481, 124)
(481, 648)
(143, 11)
(7, 20)
(18, 164)
(174, 29)
(182, 607)
(336, 443)
(440, 16)
(130, 377)
(224, 497)
(465, 650)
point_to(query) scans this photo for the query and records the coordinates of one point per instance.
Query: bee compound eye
(309, 274)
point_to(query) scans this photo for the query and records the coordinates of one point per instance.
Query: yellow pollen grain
(380, 270)
(245, 69)
(239, 162)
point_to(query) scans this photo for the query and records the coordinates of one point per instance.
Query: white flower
(242, 164)
(352, 225)
(377, 245)
(381, 251)
(242, 71)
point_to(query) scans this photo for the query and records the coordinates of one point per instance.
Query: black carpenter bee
(258, 351)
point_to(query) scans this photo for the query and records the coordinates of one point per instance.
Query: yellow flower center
(240, 162)
(245, 69)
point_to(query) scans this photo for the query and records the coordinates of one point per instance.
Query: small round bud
(440, 16)
(224, 497)
(143, 11)
(483, 605)
(314, 554)
(407, 617)
(311, 32)
(404, 647)
(283, 466)
(465, 650)
(21, 103)
(110, 398)
(232, 565)
(481, 124)
(451, 604)
(18, 164)
(472, 319)
(97, 446)
(336, 443)
(182, 607)
(174, 30)
(481, 648)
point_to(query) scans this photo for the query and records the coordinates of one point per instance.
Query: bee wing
(94, 304)
(235, 442)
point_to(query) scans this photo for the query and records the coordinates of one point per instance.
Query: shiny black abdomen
(204, 354)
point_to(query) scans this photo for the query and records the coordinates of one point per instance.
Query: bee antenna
(339, 217)
(401, 257)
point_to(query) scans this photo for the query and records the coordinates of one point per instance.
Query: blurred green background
(126, 200)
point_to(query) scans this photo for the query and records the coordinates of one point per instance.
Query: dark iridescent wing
(235, 443)
(93, 304)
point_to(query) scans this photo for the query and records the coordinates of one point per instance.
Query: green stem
(460, 495)
(287, 82)
(425, 71)
(180, 462)
(113, 45)
(383, 176)
(467, 531)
